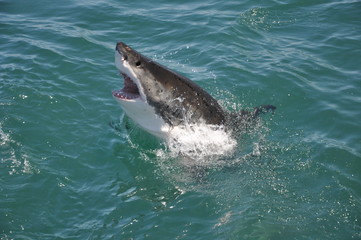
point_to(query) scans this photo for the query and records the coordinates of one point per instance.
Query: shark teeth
(129, 91)
(125, 95)
(129, 85)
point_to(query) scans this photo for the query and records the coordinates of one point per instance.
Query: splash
(200, 143)
(12, 155)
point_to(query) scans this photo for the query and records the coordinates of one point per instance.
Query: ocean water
(72, 166)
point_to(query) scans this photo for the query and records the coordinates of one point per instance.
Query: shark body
(158, 98)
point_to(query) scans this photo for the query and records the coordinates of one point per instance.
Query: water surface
(73, 167)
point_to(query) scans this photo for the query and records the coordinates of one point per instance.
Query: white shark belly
(145, 116)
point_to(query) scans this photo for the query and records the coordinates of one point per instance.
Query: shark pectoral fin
(245, 115)
(242, 120)
(263, 109)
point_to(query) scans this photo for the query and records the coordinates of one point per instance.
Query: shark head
(133, 99)
(158, 98)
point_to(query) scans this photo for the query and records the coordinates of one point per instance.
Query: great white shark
(158, 98)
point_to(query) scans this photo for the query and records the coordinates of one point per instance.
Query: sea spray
(202, 144)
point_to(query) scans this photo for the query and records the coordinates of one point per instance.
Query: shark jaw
(133, 101)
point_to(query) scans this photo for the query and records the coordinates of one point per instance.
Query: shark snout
(123, 56)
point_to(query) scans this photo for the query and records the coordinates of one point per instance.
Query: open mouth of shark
(130, 90)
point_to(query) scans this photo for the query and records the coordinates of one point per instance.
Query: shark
(159, 99)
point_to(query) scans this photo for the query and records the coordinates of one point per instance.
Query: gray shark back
(187, 101)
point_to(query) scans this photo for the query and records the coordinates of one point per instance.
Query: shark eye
(138, 63)
(125, 57)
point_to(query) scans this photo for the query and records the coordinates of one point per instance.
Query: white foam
(200, 144)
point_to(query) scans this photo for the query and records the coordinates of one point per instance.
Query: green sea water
(72, 166)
